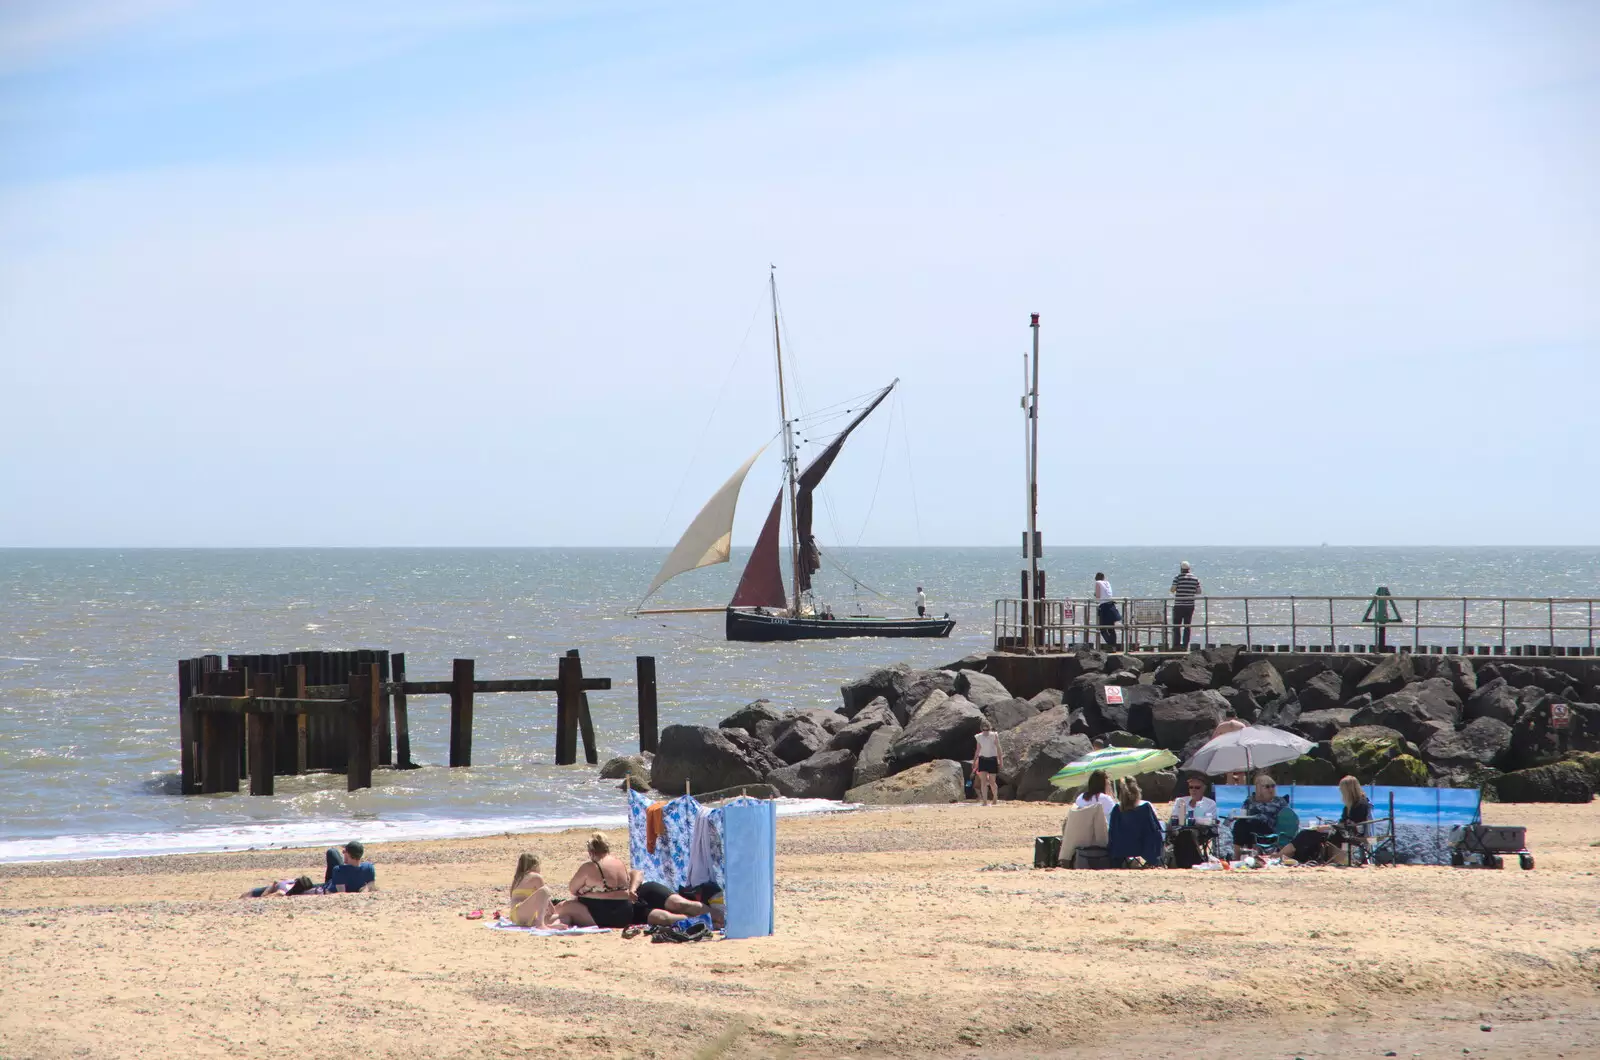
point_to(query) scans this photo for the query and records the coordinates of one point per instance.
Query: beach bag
(1046, 851)
(1186, 849)
(1092, 858)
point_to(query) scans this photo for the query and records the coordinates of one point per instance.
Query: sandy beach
(908, 932)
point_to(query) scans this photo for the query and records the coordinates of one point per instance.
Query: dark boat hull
(754, 626)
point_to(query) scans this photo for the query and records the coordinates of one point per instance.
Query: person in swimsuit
(530, 898)
(986, 764)
(602, 890)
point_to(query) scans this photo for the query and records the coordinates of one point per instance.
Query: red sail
(810, 478)
(762, 584)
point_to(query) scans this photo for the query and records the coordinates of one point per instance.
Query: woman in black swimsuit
(601, 890)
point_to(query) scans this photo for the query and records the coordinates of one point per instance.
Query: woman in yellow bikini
(530, 898)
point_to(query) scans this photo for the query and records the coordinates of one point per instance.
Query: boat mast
(789, 458)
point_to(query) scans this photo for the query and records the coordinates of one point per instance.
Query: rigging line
(905, 435)
(706, 427)
(888, 436)
(857, 581)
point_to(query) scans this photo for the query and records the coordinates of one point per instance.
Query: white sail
(710, 537)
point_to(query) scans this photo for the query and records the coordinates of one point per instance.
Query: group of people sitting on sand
(343, 873)
(1134, 836)
(606, 893)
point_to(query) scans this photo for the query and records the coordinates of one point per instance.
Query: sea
(90, 641)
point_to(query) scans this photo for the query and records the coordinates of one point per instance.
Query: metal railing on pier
(1450, 625)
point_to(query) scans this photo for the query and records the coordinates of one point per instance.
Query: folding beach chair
(1288, 827)
(1374, 842)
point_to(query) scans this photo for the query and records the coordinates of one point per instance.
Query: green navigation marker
(1382, 611)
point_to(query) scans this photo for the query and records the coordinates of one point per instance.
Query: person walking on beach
(1106, 609)
(1185, 587)
(922, 603)
(986, 764)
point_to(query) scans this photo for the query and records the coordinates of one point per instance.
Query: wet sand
(906, 932)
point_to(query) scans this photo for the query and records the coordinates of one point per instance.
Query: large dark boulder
(1177, 718)
(709, 759)
(939, 781)
(1403, 771)
(1535, 740)
(1159, 786)
(1495, 699)
(1298, 676)
(1192, 748)
(933, 699)
(825, 775)
(1461, 674)
(1391, 674)
(873, 762)
(980, 689)
(944, 730)
(1538, 676)
(1557, 782)
(923, 686)
(1050, 697)
(1124, 662)
(1083, 662)
(1354, 670)
(1085, 692)
(1281, 713)
(1418, 711)
(1319, 725)
(750, 715)
(853, 737)
(1224, 659)
(1190, 673)
(1261, 680)
(796, 739)
(1033, 783)
(888, 682)
(1362, 750)
(1481, 742)
(830, 720)
(1321, 691)
(1009, 713)
(1101, 716)
(1243, 704)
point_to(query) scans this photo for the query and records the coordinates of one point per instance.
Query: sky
(494, 273)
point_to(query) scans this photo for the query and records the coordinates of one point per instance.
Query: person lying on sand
(601, 889)
(660, 905)
(530, 898)
(298, 885)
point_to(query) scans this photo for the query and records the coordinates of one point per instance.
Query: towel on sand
(505, 925)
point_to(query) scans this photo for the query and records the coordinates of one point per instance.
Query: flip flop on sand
(476, 914)
(632, 931)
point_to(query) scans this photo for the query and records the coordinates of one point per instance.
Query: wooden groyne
(265, 716)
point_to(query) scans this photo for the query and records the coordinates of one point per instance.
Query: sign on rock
(1559, 716)
(1114, 694)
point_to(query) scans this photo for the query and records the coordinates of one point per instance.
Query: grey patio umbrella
(1253, 747)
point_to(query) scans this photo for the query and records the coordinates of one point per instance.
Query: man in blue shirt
(349, 873)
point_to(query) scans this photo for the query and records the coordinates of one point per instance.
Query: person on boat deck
(922, 603)
(1261, 810)
(601, 890)
(1313, 844)
(1106, 610)
(530, 898)
(1135, 831)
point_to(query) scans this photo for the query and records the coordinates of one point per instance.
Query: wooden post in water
(220, 734)
(363, 709)
(385, 752)
(646, 666)
(188, 775)
(461, 713)
(585, 722)
(568, 690)
(402, 723)
(293, 684)
(262, 736)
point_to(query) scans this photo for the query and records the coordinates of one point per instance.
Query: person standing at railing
(1185, 587)
(1106, 609)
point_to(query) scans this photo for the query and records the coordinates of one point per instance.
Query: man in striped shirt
(1185, 587)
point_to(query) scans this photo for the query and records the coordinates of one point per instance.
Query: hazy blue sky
(494, 273)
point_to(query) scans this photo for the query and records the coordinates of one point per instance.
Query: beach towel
(655, 824)
(668, 862)
(503, 924)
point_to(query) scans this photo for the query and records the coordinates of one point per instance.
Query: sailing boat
(761, 608)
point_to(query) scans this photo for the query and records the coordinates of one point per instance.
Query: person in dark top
(602, 890)
(347, 873)
(1261, 809)
(1185, 587)
(1135, 830)
(659, 904)
(1322, 844)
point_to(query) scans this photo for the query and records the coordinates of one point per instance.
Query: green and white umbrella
(1115, 762)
